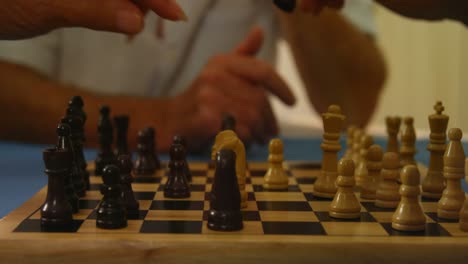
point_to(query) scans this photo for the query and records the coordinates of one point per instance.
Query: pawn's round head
(105, 110)
(178, 139)
(410, 175)
(375, 153)
(150, 131)
(177, 152)
(142, 137)
(276, 146)
(334, 109)
(125, 164)
(76, 101)
(455, 134)
(111, 175)
(391, 161)
(63, 130)
(346, 167)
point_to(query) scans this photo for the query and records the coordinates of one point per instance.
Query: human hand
(238, 84)
(28, 18)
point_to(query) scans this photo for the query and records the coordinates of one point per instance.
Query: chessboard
(284, 226)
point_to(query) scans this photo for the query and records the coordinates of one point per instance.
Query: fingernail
(181, 16)
(129, 22)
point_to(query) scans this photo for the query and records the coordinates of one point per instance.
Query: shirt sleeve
(40, 53)
(361, 14)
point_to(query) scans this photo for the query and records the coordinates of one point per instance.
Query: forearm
(338, 63)
(32, 106)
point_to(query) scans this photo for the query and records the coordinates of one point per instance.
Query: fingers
(168, 9)
(109, 15)
(252, 43)
(260, 73)
(124, 16)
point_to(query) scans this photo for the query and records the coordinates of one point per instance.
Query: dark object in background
(181, 140)
(229, 123)
(285, 5)
(105, 155)
(64, 143)
(121, 124)
(144, 164)
(177, 185)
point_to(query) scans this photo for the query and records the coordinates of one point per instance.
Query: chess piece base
(111, 224)
(446, 214)
(409, 228)
(341, 215)
(275, 186)
(225, 220)
(368, 196)
(430, 195)
(464, 227)
(133, 214)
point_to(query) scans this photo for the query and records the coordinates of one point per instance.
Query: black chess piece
(111, 213)
(64, 143)
(286, 5)
(80, 177)
(56, 212)
(181, 140)
(151, 134)
(106, 137)
(131, 204)
(144, 164)
(121, 125)
(177, 185)
(229, 123)
(76, 102)
(225, 211)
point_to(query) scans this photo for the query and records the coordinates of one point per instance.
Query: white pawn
(276, 178)
(451, 203)
(409, 215)
(361, 171)
(387, 191)
(374, 166)
(357, 135)
(350, 142)
(345, 204)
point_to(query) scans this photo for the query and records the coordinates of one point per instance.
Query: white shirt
(149, 66)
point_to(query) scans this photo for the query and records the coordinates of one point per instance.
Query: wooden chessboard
(289, 226)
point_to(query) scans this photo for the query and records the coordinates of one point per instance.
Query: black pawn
(229, 123)
(151, 134)
(111, 212)
(177, 185)
(121, 125)
(76, 103)
(80, 178)
(144, 164)
(181, 140)
(126, 179)
(76, 108)
(225, 212)
(56, 212)
(64, 143)
(106, 137)
(286, 5)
